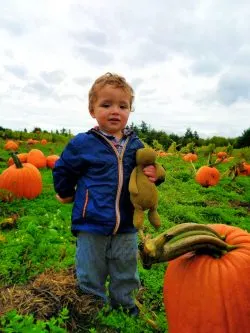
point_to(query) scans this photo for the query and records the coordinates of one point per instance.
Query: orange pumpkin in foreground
(203, 294)
(23, 180)
(207, 176)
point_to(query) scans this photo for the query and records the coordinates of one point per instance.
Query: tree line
(154, 138)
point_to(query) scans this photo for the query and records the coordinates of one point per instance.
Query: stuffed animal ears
(146, 156)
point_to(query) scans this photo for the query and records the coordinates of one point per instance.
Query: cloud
(19, 71)
(39, 89)
(234, 86)
(207, 65)
(136, 82)
(12, 26)
(187, 61)
(53, 77)
(94, 56)
(146, 53)
(96, 38)
(82, 81)
(233, 83)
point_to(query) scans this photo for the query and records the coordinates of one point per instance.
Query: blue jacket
(91, 170)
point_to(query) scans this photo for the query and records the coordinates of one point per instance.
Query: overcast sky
(187, 60)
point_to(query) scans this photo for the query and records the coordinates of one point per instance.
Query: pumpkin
(23, 180)
(222, 160)
(207, 176)
(22, 157)
(44, 142)
(242, 169)
(247, 167)
(11, 145)
(190, 157)
(30, 141)
(245, 171)
(51, 160)
(221, 154)
(203, 294)
(37, 158)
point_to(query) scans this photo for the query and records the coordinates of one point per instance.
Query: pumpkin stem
(181, 239)
(16, 160)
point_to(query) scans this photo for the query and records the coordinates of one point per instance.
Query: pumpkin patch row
(13, 145)
(37, 158)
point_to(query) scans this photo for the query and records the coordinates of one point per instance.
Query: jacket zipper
(85, 203)
(120, 178)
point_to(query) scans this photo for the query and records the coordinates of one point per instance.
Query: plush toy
(143, 193)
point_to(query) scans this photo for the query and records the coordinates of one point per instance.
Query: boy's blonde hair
(115, 81)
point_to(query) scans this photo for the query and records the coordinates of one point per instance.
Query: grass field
(41, 240)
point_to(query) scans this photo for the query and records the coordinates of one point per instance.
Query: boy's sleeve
(67, 171)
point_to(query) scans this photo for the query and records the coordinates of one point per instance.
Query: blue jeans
(99, 256)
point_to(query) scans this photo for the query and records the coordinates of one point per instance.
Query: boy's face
(111, 110)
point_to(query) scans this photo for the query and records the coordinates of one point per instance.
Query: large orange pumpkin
(37, 158)
(207, 176)
(203, 294)
(23, 180)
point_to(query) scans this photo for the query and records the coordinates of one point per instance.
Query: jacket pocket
(85, 204)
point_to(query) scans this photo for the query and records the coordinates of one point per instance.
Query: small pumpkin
(207, 294)
(51, 160)
(23, 180)
(245, 170)
(207, 176)
(22, 157)
(37, 158)
(30, 141)
(11, 145)
(190, 157)
(44, 141)
(221, 154)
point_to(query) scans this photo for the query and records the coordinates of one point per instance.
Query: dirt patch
(47, 295)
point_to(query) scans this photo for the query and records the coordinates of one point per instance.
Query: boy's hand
(64, 200)
(150, 171)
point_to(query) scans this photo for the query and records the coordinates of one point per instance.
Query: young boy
(94, 171)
